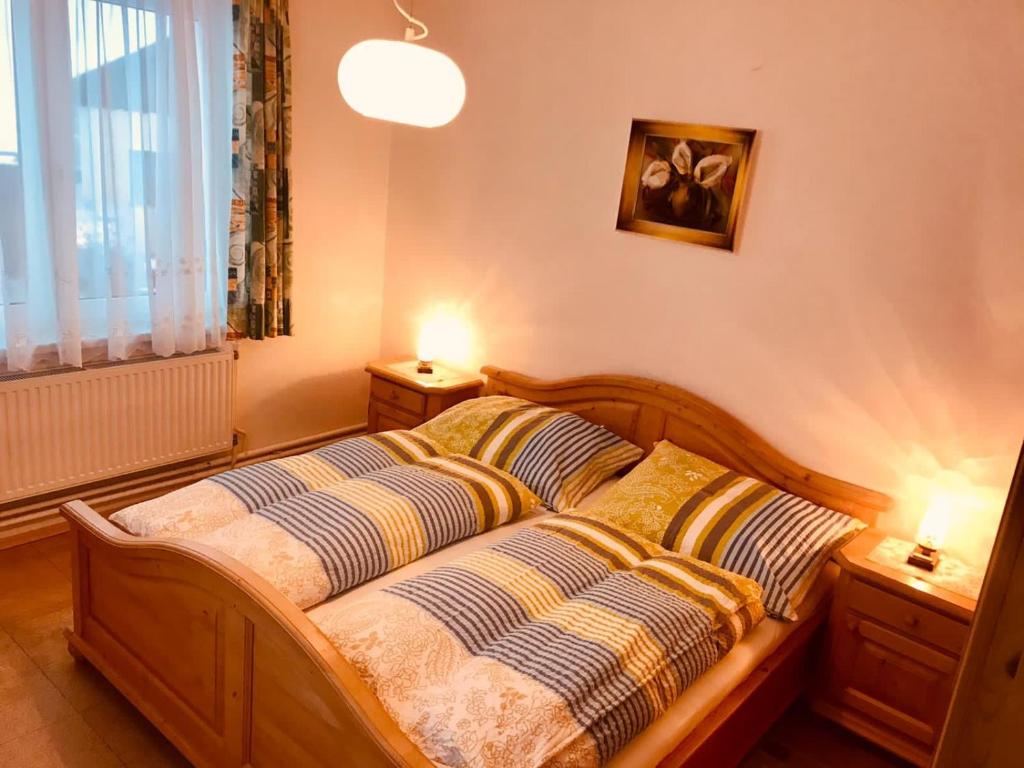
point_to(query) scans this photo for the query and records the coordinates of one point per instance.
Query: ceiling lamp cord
(411, 35)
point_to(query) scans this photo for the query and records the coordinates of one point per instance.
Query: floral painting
(685, 182)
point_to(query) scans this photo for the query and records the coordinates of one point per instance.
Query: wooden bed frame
(236, 675)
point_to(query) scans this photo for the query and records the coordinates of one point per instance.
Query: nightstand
(401, 398)
(891, 653)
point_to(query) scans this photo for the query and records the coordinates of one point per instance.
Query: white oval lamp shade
(401, 82)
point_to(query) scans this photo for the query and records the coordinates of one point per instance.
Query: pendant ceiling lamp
(401, 81)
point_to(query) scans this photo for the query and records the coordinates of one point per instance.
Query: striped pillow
(692, 505)
(556, 454)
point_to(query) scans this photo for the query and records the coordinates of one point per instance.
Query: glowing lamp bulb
(931, 534)
(401, 82)
(426, 349)
(934, 528)
(442, 336)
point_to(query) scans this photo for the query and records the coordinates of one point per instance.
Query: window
(112, 46)
(8, 118)
(115, 175)
(12, 230)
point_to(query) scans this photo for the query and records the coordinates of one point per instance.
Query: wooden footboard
(231, 672)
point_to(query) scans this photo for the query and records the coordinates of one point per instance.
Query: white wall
(313, 381)
(870, 321)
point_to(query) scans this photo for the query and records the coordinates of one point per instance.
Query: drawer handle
(394, 394)
(1013, 665)
(911, 620)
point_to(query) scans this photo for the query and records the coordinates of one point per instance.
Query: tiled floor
(55, 712)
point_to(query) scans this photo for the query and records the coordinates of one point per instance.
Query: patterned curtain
(260, 254)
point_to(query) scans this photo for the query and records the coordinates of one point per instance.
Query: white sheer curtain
(117, 245)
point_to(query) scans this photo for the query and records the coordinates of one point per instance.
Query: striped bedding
(318, 544)
(690, 504)
(553, 647)
(560, 456)
(216, 501)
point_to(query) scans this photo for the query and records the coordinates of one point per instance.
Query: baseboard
(39, 517)
(25, 529)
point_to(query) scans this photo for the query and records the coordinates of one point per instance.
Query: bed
(234, 674)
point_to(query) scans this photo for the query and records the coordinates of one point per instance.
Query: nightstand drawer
(400, 397)
(908, 617)
(383, 418)
(900, 684)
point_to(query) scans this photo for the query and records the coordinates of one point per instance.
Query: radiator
(67, 429)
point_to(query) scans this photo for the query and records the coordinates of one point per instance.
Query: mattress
(656, 741)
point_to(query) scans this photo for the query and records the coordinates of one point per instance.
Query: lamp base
(924, 558)
(424, 366)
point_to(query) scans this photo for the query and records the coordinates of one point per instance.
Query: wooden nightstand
(401, 398)
(891, 653)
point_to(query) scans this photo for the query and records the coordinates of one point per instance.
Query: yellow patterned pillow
(459, 428)
(556, 454)
(690, 504)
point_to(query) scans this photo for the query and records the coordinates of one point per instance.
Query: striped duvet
(216, 501)
(317, 544)
(553, 647)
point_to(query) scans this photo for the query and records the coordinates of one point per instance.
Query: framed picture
(685, 182)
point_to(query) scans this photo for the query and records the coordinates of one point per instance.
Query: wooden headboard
(644, 411)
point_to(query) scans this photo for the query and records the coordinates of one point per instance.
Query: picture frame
(685, 181)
